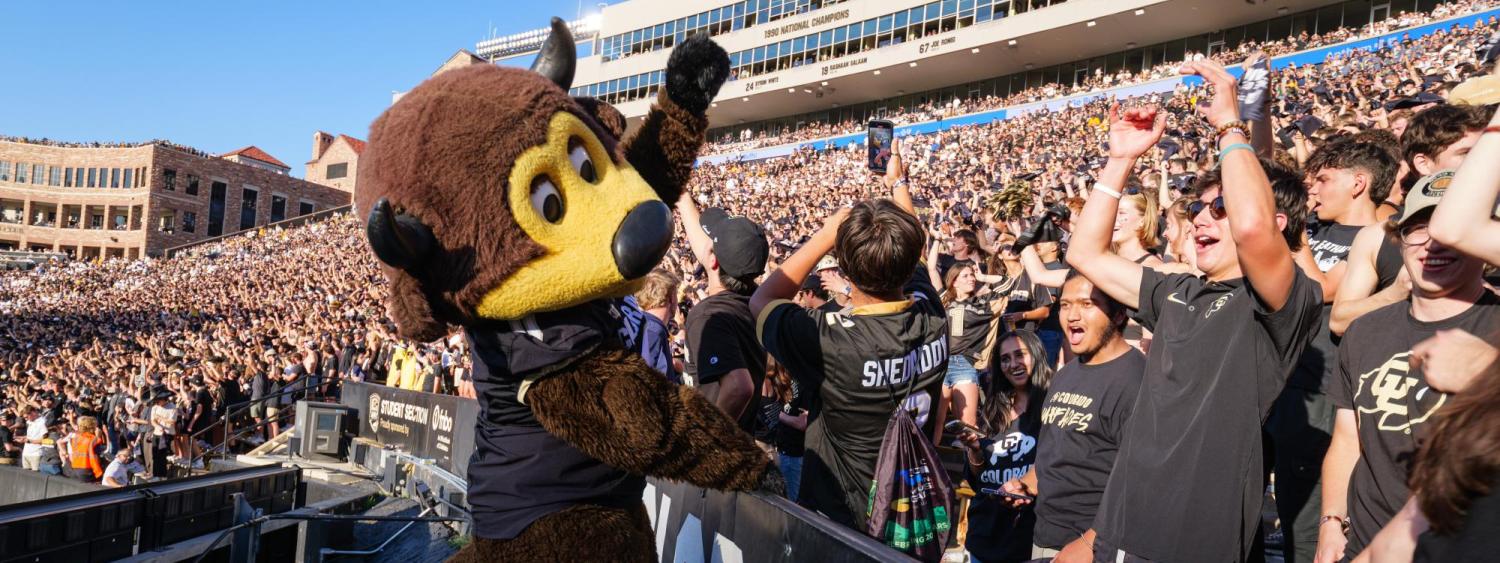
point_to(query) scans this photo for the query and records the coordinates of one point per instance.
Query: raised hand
(1224, 106)
(895, 169)
(1135, 131)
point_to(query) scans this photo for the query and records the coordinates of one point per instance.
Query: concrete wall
(19, 485)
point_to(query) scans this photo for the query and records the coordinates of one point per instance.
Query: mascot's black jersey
(519, 472)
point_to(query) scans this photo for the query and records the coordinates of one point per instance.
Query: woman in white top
(164, 419)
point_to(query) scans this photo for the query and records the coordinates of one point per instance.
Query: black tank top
(1388, 262)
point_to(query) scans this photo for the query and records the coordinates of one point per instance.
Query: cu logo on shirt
(1388, 386)
(1218, 304)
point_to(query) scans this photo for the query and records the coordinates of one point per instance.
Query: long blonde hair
(1150, 218)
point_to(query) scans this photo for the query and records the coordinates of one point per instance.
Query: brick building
(133, 201)
(335, 161)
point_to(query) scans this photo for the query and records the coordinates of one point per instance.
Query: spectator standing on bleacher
(36, 434)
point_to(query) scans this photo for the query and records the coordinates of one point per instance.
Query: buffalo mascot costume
(498, 202)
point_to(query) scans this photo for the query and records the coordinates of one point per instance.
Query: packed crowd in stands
(105, 145)
(178, 344)
(746, 139)
(1037, 234)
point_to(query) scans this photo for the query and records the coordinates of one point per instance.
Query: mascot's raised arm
(499, 203)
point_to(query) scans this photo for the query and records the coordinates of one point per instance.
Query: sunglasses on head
(1215, 209)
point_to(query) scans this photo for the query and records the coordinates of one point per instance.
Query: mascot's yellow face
(601, 225)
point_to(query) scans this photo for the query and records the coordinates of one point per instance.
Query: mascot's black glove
(695, 71)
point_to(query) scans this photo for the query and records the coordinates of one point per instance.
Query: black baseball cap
(1421, 99)
(739, 244)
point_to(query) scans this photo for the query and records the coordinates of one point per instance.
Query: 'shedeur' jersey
(855, 363)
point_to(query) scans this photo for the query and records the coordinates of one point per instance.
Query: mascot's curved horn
(398, 239)
(558, 57)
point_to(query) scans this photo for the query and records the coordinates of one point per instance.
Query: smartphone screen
(878, 142)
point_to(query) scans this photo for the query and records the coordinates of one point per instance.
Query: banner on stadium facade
(439, 427)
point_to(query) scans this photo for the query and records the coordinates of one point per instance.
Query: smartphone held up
(878, 142)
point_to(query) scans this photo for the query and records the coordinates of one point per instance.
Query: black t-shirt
(852, 366)
(969, 324)
(1392, 404)
(1026, 297)
(1330, 246)
(721, 339)
(203, 404)
(1187, 483)
(1083, 422)
(996, 531)
(1475, 540)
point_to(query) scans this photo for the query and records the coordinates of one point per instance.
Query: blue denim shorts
(960, 370)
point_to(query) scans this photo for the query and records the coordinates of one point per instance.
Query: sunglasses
(1215, 209)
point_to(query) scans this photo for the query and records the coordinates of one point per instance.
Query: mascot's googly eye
(545, 199)
(581, 162)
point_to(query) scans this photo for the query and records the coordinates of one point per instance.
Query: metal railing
(233, 434)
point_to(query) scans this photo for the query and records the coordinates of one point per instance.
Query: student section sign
(438, 427)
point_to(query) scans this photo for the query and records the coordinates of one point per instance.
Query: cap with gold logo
(1425, 195)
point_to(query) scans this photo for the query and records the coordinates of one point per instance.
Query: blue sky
(222, 75)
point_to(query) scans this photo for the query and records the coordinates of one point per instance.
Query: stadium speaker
(324, 430)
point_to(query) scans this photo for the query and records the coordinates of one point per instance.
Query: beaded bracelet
(1235, 125)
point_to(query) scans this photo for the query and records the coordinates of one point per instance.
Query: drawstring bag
(911, 498)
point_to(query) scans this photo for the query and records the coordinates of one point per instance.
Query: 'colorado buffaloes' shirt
(1083, 422)
(855, 362)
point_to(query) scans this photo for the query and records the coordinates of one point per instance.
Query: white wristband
(1107, 190)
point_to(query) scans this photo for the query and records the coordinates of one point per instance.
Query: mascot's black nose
(643, 239)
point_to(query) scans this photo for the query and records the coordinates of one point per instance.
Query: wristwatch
(1342, 520)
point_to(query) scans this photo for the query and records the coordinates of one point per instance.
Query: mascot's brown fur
(499, 203)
